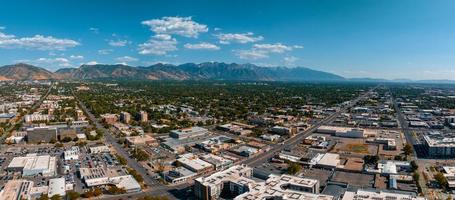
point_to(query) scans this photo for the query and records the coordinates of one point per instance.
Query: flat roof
(57, 186)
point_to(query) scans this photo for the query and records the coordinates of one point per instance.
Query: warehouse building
(32, 165)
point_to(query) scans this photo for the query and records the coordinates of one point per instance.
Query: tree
(116, 190)
(56, 197)
(293, 168)
(439, 177)
(97, 192)
(121, 159)
(414, 165)
(43, 197)
(72, 195)
(147, 197)
(407, 150)
(371, 160)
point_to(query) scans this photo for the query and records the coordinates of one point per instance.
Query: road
(264, 157)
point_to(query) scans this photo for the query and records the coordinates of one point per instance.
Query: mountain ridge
(187, 71)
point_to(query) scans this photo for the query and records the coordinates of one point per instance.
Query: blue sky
(364, 38)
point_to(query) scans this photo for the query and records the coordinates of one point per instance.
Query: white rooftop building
(238, 179)
(71, 154)
(57, 186)
(16, 189)
(193, 163)
(32, 164)
(375, 195)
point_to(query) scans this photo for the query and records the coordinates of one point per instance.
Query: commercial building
(41, 134)
(236, 128)
(362, 194)
(72, 153)
(32, 164)
(193, 163)
(280, 130)
(345, 131)
(237, 181)
(99, 149)
(109, 176)
(438, 144)
(218, 162)
(186, 133)
(178, 175)
(244, 150)
(16, 189)
(141, 140)
(57, 186)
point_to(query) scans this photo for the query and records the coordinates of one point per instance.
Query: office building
(193, 132)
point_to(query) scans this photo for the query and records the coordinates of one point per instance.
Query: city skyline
(386, 39)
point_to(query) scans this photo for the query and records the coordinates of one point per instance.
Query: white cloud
(290, 60)
(158, 45)
(50, 63)
(126, 59)
(92, 63)
(203, 45)
(183, 26)
(259, 51)
(105, 51)
(275, 48)
(76, 57)
(252, 54)
(119, 43)
(242, 38)
(94, 30)
(37, 42)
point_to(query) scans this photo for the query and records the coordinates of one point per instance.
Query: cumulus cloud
(252, 54)
(49, 63)
(105, 51)
(259, 51)
(183, 26)
(126, 59)
(242, 38)
(275, 48)
(76, 57)
(119, 43)
(37, 42)
(92, 63)
(158, 45)
(202, 45)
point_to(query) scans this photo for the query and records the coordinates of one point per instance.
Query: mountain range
(188, 71)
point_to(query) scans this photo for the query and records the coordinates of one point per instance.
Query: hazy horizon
(355, 39)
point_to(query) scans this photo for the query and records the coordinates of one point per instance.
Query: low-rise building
(57, 186)
(72, 153)
(186, 133)
(179, 175)
(141, 140)
(193, 163)
(99, 149)
(438, 144)
(220, 163)
(16, 189)
(362, 194)
(109, 176)
(33, 164)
